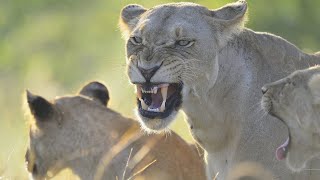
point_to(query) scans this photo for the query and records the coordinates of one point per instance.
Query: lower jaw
(173, 105)
(156, 125)
(153, 115)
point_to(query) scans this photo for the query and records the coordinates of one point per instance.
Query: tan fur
(95, 143)
(249, 171)
(222, 73)
(295, 100)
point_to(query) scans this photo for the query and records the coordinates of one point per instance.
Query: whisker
(310, 169)
(254, 106)
(257, 113)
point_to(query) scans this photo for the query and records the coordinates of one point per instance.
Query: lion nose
(148, 73)
(264, 89)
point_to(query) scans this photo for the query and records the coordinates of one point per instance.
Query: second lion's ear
(40, 108)
(96, 91)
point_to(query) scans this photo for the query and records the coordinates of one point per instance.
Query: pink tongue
(156, 100)
(281, 151)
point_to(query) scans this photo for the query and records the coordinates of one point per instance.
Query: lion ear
(230, 19)
(40, 108)
(231, 13)
(314, 85)
(129, 17)
(96, 91)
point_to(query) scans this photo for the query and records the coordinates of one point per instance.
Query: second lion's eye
(290, 82)
(185, 43)
(136, 40)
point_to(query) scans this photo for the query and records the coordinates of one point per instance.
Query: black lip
(173, 103)
(271, 111)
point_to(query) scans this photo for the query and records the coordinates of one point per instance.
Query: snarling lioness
(184, 55)
(95, 142)
(295, 100)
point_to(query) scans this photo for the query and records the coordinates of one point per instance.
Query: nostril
(264, 89)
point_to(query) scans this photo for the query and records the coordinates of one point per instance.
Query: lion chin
(156, 125)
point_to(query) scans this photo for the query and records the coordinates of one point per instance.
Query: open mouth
(282, 150)
(158, 100)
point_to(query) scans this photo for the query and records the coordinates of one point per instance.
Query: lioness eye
(185, 43)
(136, 40)
(290, 82)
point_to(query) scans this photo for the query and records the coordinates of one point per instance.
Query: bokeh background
(53, 47)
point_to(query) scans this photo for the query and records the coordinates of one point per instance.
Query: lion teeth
(153, 110)
(163, 106)
(145, 91)
(155, 90)
(143, 104)
(164, 92)
(163, 88)
(138, 90)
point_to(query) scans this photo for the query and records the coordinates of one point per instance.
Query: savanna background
(53, 47)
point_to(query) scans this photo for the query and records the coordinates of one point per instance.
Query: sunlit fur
(191, 67)
(222, 74)
(295, 100)
(156, 126)
(95, 142)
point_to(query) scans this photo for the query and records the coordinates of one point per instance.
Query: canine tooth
(143, 104)
(138, 89)
(155, 90)
(163, 85)
(163, 106)
(164, 91)
(153, 110)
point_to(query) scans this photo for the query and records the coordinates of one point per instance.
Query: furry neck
(86, 162)
(213, 114)
(85, 167)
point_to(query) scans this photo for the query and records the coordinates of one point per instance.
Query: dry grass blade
(216, 176)
(144, 150)
(125, 169)
(144, 168)
(129, 136)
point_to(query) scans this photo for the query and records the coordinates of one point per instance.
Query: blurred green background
(53, 47)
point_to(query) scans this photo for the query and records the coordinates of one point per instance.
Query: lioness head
(171, 52)
(58, 135)
(295, 100)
